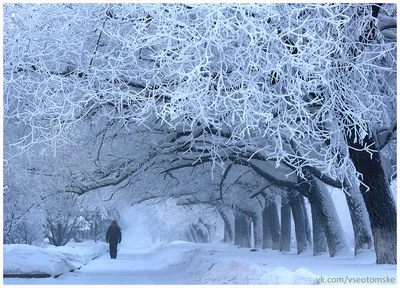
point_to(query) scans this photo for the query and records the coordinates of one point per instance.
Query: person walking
(113, 237)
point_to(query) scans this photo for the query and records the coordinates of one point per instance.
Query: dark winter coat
(113, 235)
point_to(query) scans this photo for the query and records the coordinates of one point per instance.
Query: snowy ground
(189, 263)
(21, 259)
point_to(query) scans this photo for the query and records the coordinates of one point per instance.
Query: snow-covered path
(133, 266)
(190, 263)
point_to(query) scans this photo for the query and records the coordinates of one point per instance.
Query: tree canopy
(286, 81)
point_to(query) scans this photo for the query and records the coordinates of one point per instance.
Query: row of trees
(301, 95)
(247, 199)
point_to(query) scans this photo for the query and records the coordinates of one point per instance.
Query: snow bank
(282, 275)
(223, 272)
(27, 260)
(208, 266)
(79, 254)
(203, 268)
(212, 271)
(21, 260)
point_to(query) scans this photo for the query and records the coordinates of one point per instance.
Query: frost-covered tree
(23, 220)
(309, 86)
(22, 223)
(63, 217)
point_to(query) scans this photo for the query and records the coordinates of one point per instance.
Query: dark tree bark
(359, 218)
(95, 230)
(242, 230)
(272, 214)
(60, 234)
(203, 232)
(378, 199)
(257, 227)
(229, 223)
(299, 221)
(266, 223)
(198, 234)
(256, 218)
(319, 238)
(193, 234)
(285, 225)
(227, 235)
(209, 231)
(322, 202)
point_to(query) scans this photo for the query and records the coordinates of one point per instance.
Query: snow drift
(21, 260)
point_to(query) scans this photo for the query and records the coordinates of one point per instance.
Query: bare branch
(260, 190)
(223, 178)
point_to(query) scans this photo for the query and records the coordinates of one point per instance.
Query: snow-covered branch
(124, 172)
(226, 81)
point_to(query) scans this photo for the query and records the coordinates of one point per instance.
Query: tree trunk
(266, 223)
(189, 236)
(272, 214)
(285, 225)
(193, 233)
(306, 222)
(256, 217)
(59, 234)
(258, 234)
(101, 230)
(95, 231)
(299, 221)
(359, 218)
(210, 232)
(324, 206)
(319, 238)
(229, 223)
(378, 199)
(202, 232)
(242, 230)
(227, 236)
